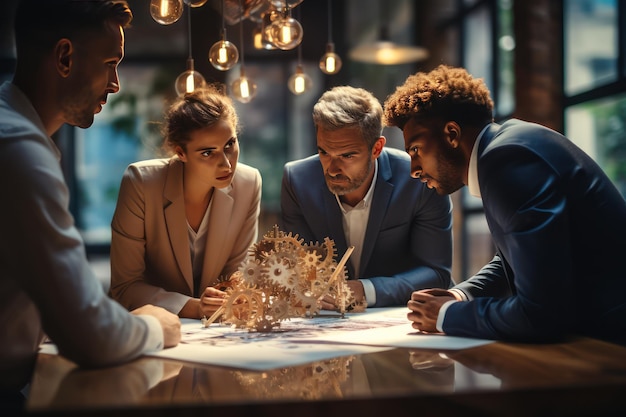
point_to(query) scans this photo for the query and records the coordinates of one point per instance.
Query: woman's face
(211, 156)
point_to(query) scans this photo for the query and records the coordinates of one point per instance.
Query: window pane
(505, 102)
(122, 133)
(477, 57)
(599, 128)
(590, 44)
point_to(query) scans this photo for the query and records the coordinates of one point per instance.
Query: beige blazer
(150, 253)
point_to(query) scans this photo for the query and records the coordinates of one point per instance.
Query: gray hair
(346, 106)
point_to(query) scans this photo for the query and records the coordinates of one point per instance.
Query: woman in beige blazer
(184, 223)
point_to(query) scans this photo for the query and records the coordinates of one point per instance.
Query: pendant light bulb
(189, 80)
(195, 3)
(243, 88)
(223, 55)
(266, 32)
(299, 82)
(330, 63)
(166, 12)
(286, 32)
(257, 35)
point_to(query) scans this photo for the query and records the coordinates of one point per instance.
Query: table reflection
(59, 384)
(577, 370)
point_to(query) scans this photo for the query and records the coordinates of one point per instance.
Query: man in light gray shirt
(67, 58)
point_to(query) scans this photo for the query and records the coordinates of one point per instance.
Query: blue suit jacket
(408, 240)
(559, 226)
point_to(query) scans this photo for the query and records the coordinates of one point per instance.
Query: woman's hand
(210, 300)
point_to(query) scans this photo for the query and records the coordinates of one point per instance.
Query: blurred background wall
(558, 63)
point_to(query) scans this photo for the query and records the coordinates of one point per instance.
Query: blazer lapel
(176, 219)
(217, 236)
(380, 202)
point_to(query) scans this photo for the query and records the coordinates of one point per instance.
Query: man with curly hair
(557, 221)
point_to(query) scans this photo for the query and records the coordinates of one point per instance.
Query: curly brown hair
(443, 94)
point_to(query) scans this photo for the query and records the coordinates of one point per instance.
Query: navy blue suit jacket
(559, 226)
(408, 240)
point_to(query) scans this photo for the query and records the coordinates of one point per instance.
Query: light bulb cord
(330, 22)
(299, 45)
(223, 20)
(189, 30)
(300, 55)
(241, 32)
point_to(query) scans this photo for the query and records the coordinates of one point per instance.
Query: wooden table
(581, 377)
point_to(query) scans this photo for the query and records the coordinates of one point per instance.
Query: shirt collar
(472, 175)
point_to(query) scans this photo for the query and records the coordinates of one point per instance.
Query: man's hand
(356, 286)
(425, 306)
(169, 322)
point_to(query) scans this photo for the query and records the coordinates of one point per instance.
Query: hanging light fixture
(195, 3)
(166, 12)
(243, 88)
(299, 82)
(266, 32)
(330, 63)
(223, 55)
(257, 34)
(190, 79)
(285, 32)
(384, 51)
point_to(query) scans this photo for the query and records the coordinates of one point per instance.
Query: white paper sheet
(303, 340)
(300, 341)
(263, 356)
(399, 336)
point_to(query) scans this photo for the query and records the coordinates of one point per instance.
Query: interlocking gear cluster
(282, 277)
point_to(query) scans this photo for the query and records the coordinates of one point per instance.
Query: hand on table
(169, 322)
(329, 303)
(425, 306)
(210, 300)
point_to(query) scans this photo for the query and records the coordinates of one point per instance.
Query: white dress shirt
(197, 246)
(354, 226)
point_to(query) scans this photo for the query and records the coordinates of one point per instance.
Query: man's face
(434, 161)
(93, 75)
(346, 160)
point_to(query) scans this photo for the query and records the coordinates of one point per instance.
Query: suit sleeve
(526, 200)
(490, 281)
(431, 251)
(291, 212)
(87, 326)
